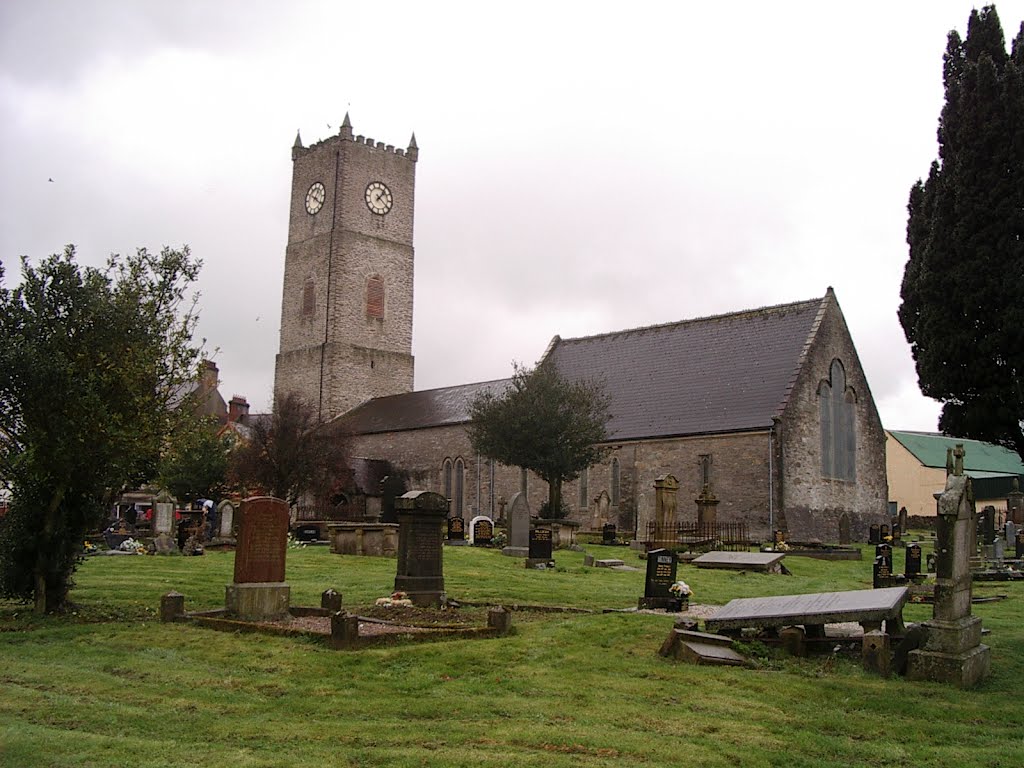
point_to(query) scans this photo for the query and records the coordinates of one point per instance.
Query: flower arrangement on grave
(131, 545)
(396, 599)
(294, 543)
(88, 547)
(781, 547)
(681, 590)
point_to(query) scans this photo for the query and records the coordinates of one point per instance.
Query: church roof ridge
(738, 314)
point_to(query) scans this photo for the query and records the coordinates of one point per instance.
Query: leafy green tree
(962, 309)
(543, 423)
(92, 362)
(289, 454)
(195, 464)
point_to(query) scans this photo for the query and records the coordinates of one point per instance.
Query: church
(766, 411)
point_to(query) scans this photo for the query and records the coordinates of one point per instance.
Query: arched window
(615, 482)
(457, 498)
(584, 493)
(446, 471)
(375, 297)
(837, 405)
(308, 298)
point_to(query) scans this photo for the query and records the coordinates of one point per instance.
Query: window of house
(615, 482)
(837, 406)
(375, 297)
(457, 499)
(584, 492)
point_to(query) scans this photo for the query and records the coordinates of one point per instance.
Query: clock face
(315, 198)
(378, 198)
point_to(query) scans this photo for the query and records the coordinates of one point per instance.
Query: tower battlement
(345, 134)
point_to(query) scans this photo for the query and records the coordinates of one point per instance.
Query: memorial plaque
(262, 541)
(912, 568)
(608, 533)
(661, 574)
(540, 544)
(456, 529)
(483, 532)
(874, 534)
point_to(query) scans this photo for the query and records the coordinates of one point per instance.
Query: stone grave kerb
(952, 651)
(422, 516)
(518, 527)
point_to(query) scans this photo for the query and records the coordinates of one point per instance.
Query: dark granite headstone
(456, 529)
(421, 518)
(903, 519)
(912, 568)
(882, 573)
(883, 532)
(262, 541)
(874, 534)
(662, 565)
(988, 530)
(307, 533)
(1020, 542)
(608, 533)
(897, 533)
(540, 544)
(483, 533)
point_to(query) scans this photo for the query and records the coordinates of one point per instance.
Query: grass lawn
(112, 686)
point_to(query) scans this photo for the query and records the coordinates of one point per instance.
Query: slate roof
(980, 459)
(726, 373)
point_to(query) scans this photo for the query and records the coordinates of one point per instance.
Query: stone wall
(811, 502)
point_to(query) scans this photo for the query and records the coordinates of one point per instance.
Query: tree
(195, 465)
(962, 310)
(289, 454)
(542, 423)
(92, 362)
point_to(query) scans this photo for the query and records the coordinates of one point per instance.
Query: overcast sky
(584, 167)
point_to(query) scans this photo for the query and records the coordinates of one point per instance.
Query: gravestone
(707, 506)
(117, 533)
(912, 568)
(1010, 532)
(421, 519)
(608, 533)
(1019, 542)
(541, 541)
(952, 651)
(874, 534)
(903, 519)
(844, 529)
(897, 533)
(1015, 504)
(307, 532)
(164, 544)
(988, 523)
(666, 487)
(456, 530)
(779, 538)
(259, 590)
(602, 507)
(882, 573)
(226, 516)
(518, 527)
(481, 531)
(661, 575)
(163, 514)
(883, 532)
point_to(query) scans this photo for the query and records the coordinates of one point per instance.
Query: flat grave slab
(870, 606)
(764, 562)
(701, 648)
(608, 563)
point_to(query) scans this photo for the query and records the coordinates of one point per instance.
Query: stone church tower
(346, 307)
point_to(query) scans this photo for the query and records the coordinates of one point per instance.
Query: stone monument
(259, 590)
(518, 527)
(422, 516)
(226, 520)
(1015, 504)
(665, 521)
(163, 514)
(951, 651)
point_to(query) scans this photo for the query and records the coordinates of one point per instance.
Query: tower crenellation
(347, 298)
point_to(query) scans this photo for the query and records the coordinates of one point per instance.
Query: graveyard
(578, 681)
